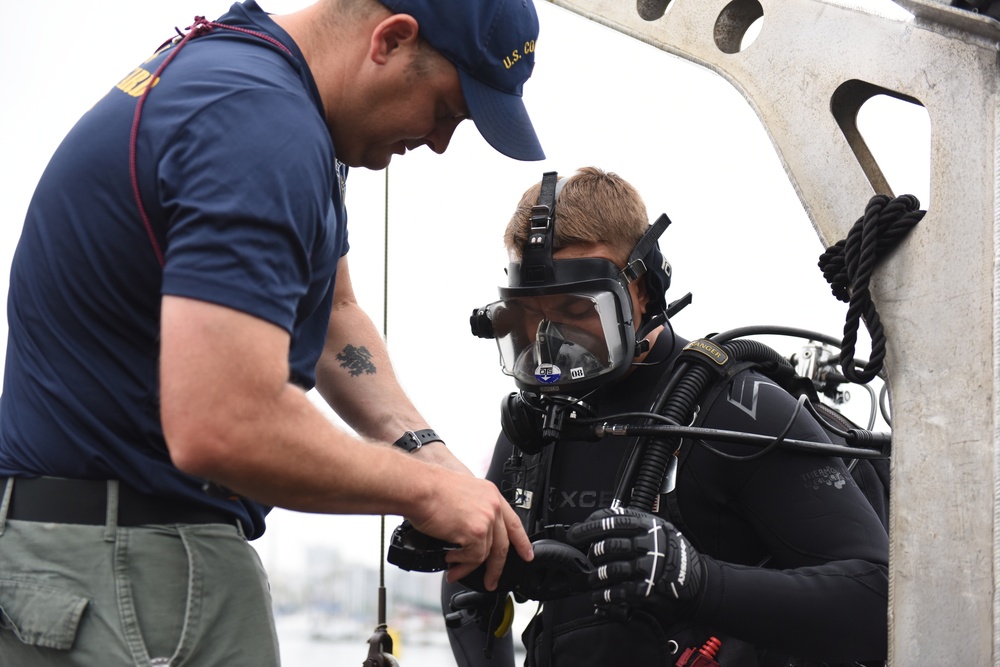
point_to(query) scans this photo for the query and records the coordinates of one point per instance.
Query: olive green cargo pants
(154, 596)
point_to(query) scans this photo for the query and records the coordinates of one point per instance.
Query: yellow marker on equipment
(508, 618)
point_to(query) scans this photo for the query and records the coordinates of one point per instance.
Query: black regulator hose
(650, 459)
(746, 349)
(654, 455)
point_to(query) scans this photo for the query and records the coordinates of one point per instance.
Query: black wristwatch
(411, 441)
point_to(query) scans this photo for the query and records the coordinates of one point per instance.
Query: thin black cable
(630, 415)
(770, 447)
(385, 334)
(848, 266)
(382, 593)
(876, 405)
(380, 643)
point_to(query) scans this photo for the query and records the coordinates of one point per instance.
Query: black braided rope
(848, 266)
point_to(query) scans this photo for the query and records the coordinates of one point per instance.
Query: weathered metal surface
(812, 66)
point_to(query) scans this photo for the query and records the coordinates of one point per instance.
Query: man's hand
(439, 454)
(640, 560)
(471, 513)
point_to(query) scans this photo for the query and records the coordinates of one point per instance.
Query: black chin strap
(641, 343)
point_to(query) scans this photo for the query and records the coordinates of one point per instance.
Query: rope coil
(848, 266)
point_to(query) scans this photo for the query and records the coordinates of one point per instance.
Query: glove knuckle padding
(584, 533)
(605, 550)
(619, 571)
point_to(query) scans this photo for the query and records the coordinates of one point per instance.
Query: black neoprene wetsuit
(821, 593)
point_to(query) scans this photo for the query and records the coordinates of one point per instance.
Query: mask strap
(543, 213)
(536, 256)
(636, 261)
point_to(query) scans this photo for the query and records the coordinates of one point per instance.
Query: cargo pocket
(40, 615)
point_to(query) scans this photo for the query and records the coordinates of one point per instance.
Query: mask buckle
(633, 271)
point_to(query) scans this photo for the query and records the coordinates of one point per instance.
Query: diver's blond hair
(593, 206)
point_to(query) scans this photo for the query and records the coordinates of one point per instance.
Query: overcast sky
(685, 137)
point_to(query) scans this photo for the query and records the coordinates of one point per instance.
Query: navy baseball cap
(492, 43)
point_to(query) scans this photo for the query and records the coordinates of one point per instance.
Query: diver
(741, 560)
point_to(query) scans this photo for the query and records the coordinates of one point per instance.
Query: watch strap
(411, 441)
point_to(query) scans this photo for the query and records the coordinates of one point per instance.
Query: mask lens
(558, 338)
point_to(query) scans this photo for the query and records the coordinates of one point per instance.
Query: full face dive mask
(566, 326)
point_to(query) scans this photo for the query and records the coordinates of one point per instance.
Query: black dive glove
(640, 559)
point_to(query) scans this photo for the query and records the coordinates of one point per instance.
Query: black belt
(84, 501)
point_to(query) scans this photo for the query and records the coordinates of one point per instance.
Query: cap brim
(502, 119)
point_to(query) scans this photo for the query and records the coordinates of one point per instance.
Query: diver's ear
(640, 300)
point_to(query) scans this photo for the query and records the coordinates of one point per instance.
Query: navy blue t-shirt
(244, 194)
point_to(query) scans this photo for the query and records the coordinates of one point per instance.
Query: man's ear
(391, 34)
(642, 297)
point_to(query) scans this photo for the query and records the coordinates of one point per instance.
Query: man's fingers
(489, 527)
(515, 533)
(497, 557)
(462, 562)
(508, 532)
(459, 571)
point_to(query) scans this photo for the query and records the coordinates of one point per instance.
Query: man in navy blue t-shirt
(182, 281)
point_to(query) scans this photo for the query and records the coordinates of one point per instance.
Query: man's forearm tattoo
(356, 360)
